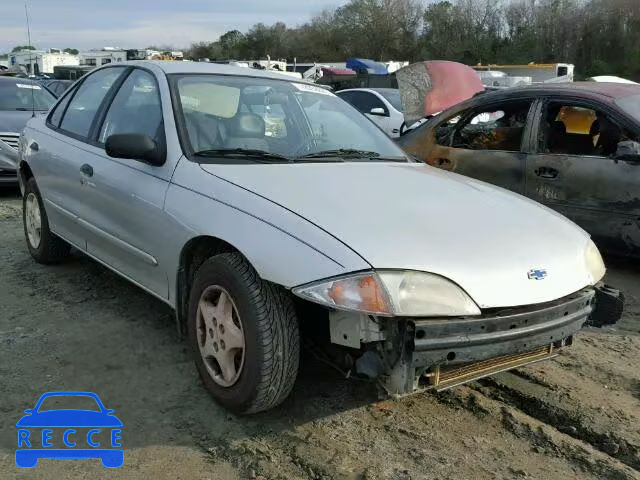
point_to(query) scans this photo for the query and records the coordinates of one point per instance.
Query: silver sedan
(258, 207)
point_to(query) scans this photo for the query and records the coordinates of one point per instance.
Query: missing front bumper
(442, 353)
(443, 378)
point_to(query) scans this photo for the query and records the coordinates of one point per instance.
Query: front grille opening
(443, 377)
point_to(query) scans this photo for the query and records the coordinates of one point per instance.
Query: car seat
(203, 131)
(247, 131)
(557, 137)
(608, 136)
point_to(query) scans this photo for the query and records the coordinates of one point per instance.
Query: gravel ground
(77, 326)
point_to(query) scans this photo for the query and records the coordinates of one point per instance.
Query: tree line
(599, 36)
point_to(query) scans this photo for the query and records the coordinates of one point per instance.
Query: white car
(258, 206)
(381, 105)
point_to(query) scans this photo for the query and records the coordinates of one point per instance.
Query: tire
(50, 248)
(266, 316)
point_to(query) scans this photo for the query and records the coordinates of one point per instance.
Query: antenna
(33, 95)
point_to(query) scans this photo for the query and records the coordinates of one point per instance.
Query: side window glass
(445, 130)
(346, 96)
(365, 102)
(136, 108)
(85, 103)
(577, 130)
(374, 102)
(497, 129)
(56, 114)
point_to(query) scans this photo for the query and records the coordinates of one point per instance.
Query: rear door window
(85, 103)
(58, 111)
(579, 130)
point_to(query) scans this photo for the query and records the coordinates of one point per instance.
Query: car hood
(412, 216)
(69, 418)
(427, 88)
(14, 121)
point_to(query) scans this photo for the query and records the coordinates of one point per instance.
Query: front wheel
(244, 335)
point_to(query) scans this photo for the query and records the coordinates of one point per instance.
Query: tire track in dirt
(561, 413)
(543, 437)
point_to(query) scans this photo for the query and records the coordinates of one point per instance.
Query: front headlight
(392, 293)
(595, 265)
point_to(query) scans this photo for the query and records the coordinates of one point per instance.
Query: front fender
(283, 247)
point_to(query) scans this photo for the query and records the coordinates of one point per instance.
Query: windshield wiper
(341, 153)
(256, 155)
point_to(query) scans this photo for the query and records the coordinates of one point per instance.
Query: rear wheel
(44, 245)
(243, 333)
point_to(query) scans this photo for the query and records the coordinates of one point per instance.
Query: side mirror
(29, 410)
(629, 151)
(134, 146)
(378, 111)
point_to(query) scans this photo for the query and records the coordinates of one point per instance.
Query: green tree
(598, 36)
(72, 51)
(231, 44)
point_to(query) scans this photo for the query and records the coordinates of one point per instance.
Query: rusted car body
(573, 147)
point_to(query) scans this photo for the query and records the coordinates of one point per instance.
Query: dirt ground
(77, 326)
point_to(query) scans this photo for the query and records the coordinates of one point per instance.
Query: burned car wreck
(572, 147)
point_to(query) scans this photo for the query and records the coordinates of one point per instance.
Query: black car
(573, 147)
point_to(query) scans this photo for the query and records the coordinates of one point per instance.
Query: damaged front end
(408, 355)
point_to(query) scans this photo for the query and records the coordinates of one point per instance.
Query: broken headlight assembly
(595, 265)
(392, 293)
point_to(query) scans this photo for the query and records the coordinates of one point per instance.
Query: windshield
(24, 95)
(631, 105)
(246, 116)
(393, 97)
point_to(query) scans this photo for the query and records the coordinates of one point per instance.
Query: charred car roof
(583, 89)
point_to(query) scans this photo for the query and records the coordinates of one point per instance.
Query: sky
(85, 24)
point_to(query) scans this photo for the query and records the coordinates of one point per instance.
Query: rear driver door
(573, 170)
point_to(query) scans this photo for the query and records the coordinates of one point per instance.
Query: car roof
(185, 67)
(363, 89)
(7, 79)
(611, 91)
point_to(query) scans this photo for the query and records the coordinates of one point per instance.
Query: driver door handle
(86, 170)
(546, 172)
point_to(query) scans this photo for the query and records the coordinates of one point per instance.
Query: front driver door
(128, 226)
(573, 170)
(488, 142)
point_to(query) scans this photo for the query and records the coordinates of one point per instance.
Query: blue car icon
(33, 447)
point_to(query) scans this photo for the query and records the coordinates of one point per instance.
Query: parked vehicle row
(20, 100)
(256, 206)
